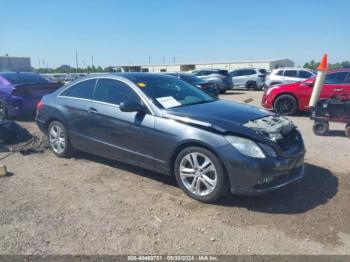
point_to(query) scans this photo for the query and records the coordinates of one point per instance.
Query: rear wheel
(58, 139)
(321, 128)
(3, 111)
(285, 105)
(200, 174)
(251, 85)
(347, 130)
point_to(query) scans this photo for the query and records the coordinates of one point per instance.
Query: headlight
(246, 146)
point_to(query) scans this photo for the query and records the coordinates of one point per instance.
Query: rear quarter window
(83, 89)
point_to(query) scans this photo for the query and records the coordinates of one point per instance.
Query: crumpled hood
(222, 115)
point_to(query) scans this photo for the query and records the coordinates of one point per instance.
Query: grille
(291, 142)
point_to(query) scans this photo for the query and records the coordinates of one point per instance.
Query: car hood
(224, 116)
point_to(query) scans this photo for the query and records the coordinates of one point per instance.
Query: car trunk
(35, 90)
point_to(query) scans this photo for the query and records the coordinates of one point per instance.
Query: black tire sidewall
(67, 148)
(251, 85)
(286, 96)
(325, 127)
(222, 181)
(347, 130)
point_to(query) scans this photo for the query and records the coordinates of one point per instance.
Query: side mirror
(132, 106)
(309, 83)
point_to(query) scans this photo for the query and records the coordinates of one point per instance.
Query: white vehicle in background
(288, 75)
(250, 78)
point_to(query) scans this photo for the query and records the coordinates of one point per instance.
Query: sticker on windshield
(168, 101)
(141, 84)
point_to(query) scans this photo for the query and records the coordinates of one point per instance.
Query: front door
(125, 136)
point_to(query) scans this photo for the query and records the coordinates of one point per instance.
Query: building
(10, 63)
(265, 64)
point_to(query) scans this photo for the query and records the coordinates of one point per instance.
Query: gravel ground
(89, 205)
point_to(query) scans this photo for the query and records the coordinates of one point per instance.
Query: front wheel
(58, 139)
(251, 85)
(285, 105)
(321, 128)
(347, 130)
(200, 174)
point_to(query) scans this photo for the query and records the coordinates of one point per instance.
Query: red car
(287, 99)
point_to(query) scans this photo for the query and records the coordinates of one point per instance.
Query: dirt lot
(89, 205)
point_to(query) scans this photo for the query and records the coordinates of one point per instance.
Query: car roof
(131, 76)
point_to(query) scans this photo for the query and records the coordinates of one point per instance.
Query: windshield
(20, 78)
(172, 92)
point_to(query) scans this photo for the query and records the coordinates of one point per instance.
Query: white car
(288, 75)
(250, 78)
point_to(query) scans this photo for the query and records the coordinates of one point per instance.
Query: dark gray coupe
(166, 125)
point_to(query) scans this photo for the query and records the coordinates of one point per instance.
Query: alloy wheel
(57, 139)
(285, 106)
(198, 173)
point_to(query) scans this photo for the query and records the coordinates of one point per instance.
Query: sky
(119, 32)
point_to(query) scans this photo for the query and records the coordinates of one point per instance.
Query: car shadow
(23, 118)
(317, 187)
(340, 133)
(168, 180)
(233, 92)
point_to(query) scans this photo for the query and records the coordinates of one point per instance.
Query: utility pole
(92, 61)
(174, 59)
(76, 59)
(149, 60)
(163, 60)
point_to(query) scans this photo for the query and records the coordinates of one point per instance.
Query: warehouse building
(10, 63)
(265, 64)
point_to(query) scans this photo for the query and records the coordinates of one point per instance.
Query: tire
(285, 105)
(347, 130)
(212, 184)
(59, 143)
(223, 91)
(320, 128)
(251, 85)
(3, 111)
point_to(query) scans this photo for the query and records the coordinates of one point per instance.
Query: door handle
(338, 89)
(92, 110)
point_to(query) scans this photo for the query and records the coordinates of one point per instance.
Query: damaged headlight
(246, 146)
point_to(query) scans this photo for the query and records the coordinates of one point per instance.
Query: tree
(313, 65)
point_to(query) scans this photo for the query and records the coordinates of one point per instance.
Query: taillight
(40, 105)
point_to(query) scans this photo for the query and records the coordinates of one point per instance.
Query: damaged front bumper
(252, 176)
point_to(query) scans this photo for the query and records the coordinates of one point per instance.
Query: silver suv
(288, 75)
(251, 78)
(221, 78)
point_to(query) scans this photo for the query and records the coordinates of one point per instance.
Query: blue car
(164, 124)
(20, 93)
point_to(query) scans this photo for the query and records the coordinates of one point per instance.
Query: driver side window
(336, 78)
(114, 92)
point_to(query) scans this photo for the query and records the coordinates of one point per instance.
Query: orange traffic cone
(324, 63)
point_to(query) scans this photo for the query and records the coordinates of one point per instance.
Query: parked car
(208, 87)
(164, 124)
(288, 75)
(250, 78)
(20, 92)
(219, 77)
(287, 99)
